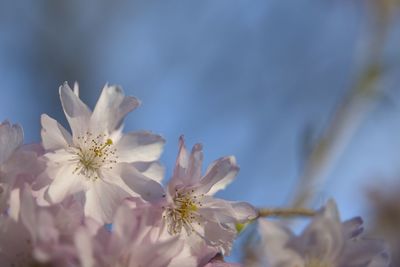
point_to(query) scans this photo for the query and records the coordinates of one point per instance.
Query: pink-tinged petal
(139, 146)
(46, 231)
(223, 211)
(76, 89)
(14, 202)
(102, 200)
(219, 236)
(147, 188)
(275, 238)
(11, 137)
(219, 175)
(218, 261)
(195, 162)
(181, 165)
(323, 238)
(65, 183)
(154, 170)
(83, 243)
(165, 251)
(182, 161)
(54, 136)
(77, 113)
(111, 108)
(28, 209)
(221, 184)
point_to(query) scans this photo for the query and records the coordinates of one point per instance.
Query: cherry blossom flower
(326, 242)
(98, 161)
(41, 236)
(190, 207)
(134, 241)
(18, 164)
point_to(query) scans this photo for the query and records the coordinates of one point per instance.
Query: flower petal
(139, 146)
(323, 238)
(102, 200)
(54, 136)
(154, 170)
(77, 113)
(275, 238)
(83, 243)
(147, 188)
(111, 108)
(223, 211)
(181, 165)
(11, 137)
(195, 163)
(65, 183)
(219, 175)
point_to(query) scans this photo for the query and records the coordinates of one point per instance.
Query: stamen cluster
(91, 153)
(184, 212)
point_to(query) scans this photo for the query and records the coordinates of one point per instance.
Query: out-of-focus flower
(326, 242)
(385, 219)
(190, 210)
(97, 160)
(134, 241)
(18, 164)
(41, 236)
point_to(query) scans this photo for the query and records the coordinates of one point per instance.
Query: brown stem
(286, 212)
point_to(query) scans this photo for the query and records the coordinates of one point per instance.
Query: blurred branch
(349, 115)
(289, 212)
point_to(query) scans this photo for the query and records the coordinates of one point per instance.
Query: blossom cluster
(93, 197)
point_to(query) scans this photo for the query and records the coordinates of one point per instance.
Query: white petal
(139, 146)
(111, 108)
(219, 236)
(11, 137)
(83, 243)
(224, 211)
(54, 136)
(181, 165)
(154, 170)
(102, 200)
(195, 163)
(77, 113)
(147, 188)
(275, 238)
(219, 175)
(28, 211)
(323, 238)
(64, 184)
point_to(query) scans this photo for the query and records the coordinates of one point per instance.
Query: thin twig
(286, 212)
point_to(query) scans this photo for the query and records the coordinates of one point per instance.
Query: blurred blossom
(385, 217)
(325, 242)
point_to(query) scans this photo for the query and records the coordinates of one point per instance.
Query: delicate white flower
(326, 242)
(98, 160)
(191, 208)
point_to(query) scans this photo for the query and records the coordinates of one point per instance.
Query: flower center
(314, 262)
(92, 153)
(183, 213)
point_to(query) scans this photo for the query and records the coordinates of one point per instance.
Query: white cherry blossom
(96, 162)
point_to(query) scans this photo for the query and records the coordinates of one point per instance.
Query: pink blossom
(325, 242)
(191, 207)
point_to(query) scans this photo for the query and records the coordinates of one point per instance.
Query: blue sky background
(244, 78)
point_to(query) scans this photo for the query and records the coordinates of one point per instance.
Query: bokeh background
(304, 93)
